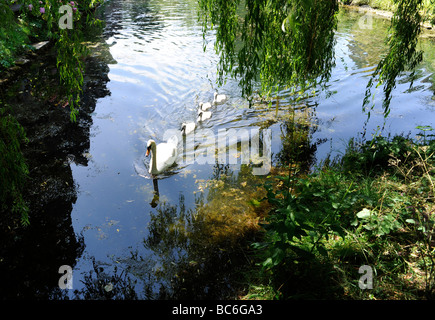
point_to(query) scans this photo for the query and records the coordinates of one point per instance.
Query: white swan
(188, 127)
(163, 155)
(203, 115)
(219, 98)
(204, 106)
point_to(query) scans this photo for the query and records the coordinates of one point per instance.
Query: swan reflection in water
(155, 200)
(142, 171)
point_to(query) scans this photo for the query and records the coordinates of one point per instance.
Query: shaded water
(98, 211)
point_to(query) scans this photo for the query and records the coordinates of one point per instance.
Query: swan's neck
(153, 169)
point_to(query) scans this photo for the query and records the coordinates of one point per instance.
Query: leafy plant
(419, 169)
(303, 219)
(423, 134)
(13, 39)
(374, 206)
(373, 157)
(376, 224)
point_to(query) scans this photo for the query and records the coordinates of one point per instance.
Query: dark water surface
(99, 213)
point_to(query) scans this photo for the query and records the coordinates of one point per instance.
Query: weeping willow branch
(282, 43)
(68, 42)
(290, 43)
(70, 53)
(402, 55)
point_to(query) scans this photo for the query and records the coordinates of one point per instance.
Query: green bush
(13, 39)
(319, 206)
(374, 200)
(372, 157)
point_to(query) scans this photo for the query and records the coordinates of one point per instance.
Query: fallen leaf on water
(108, 287)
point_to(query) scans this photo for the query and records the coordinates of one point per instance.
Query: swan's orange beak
(148, 152)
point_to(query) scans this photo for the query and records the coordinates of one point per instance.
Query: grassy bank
(389, 5)
(375, 4)
(372, 208)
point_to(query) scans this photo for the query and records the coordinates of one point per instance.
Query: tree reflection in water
(198, 253)
(101, 284)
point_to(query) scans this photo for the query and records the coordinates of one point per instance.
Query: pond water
(126, 235)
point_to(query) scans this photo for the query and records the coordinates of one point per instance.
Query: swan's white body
(219, 98)
(188, 127)
(203, 115)
(204, 106)
(163, 155)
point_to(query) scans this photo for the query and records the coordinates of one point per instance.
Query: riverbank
(27, 29)
(372, 209)
(23, 25)
(53, 144)
(385, 9)
(23, 60)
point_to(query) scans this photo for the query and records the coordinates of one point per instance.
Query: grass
(372, 207)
